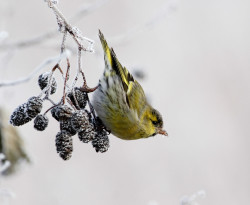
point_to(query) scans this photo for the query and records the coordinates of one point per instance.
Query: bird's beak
(162, 132)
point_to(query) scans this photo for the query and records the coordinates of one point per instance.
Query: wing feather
(135, 96)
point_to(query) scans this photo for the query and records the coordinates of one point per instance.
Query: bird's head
(153, 122)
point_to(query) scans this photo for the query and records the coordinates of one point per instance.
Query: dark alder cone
(79, 99)
(62, 112)
(43, 81)
(88, 134)
(34, 106)
(41, 122)
(64, 145)
(53, 113)
(66, 126)
(80, 120)
(101, 142)
(20, 116)
(99, 125)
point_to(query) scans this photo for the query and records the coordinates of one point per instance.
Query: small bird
(121, 104)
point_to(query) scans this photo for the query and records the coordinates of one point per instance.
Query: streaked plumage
(120, 101)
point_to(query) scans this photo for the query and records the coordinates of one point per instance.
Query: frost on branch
(65, 27)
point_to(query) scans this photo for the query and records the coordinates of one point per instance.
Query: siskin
(121, 104)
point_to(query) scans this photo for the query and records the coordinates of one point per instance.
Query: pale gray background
(196, 59)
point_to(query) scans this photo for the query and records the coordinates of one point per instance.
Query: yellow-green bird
(121, 104)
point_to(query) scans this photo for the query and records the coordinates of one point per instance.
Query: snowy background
(196, 58)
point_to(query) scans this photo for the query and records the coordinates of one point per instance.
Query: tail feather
(111, 59)
(106, 49)
(126, 77)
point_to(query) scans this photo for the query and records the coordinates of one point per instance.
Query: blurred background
(193, 60)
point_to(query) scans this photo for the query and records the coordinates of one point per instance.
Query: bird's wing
(135, 96)
(106, 49)
(111, 59)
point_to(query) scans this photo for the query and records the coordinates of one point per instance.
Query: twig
(65, 81)
(51, 108)
(78, 68)
(30, 42)
(57, 67)
(70, 102)
(6, 58)
(84, 11)
(75, 80)
(46, 90)
(79, 58)
(36, 70)
(63, 42)
(74, 32)
(85, 87)
(52, 102)
(164, 10)
(75, 100)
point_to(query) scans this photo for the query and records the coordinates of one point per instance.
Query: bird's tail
(114, 64)
(106, 49)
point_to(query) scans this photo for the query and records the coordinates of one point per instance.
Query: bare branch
(36, 70)
(63, 42)
(65, 25)
(79, 55)
(83, 11)
(65, 81)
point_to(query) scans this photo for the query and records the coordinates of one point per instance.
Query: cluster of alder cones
(74, 118)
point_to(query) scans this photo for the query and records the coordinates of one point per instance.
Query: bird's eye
(154, 122)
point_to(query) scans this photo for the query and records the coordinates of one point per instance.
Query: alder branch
(165, 9)
(64, 25)
(83, 11)
(36, 70)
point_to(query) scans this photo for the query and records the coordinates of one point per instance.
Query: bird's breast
(109, 101)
